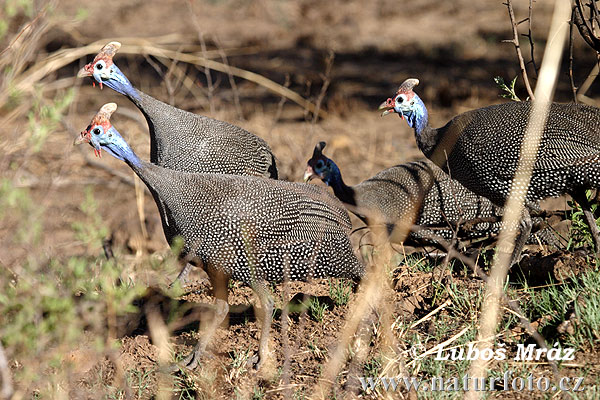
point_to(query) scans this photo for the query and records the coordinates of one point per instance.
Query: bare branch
(530, 37)
(280, 106)
(571, 37)
(585, 27)
(234, 88)
(515, 42)
(326, 82)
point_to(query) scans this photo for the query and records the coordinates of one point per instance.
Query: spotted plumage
(251, 229)
(481, 148)
(418, 192)
(182, 140)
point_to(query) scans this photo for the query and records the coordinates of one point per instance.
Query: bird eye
(96, 131)
(99, 66)
(399, 99)
(320, 164)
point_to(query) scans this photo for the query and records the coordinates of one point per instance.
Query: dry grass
(516, 200)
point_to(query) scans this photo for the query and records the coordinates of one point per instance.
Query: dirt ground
(453, 48)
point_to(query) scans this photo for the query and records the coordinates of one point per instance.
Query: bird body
(418, 191)
(189, 142)
(247, 226)
(486, 154)
(183, 140)
(251, 229)
(481, 149)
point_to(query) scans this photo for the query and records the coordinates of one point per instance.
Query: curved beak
(85, 71)
(82, 138)
(309, 174)
(387, 107)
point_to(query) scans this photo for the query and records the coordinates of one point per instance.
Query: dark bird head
(320, 166)
(407, 104)
(100, 134)
(104, 71)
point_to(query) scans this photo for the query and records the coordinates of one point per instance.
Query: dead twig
(431, 313)
(163, 77)
(184, 79)
(179, 76)
(326, 81)
(139, 199)
(585, 86)
(234, 88)
(209, 80)
(279, 106)
(571, 38)
(529, 36)
(586, 25)
(515, 42)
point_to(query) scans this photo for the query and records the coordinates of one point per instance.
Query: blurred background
(59, 204)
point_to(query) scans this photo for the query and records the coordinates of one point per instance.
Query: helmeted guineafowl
(480, 149)
(418, 192)
(182, 140)
(245, 228)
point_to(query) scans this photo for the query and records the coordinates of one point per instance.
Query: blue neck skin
(418, 117)
(342, 191)
(118, 148)
(119, 83)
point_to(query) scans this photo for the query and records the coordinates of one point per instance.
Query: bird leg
(521, 239)
(220, 283)
(193, 359)
(266, 302)
(581, 199)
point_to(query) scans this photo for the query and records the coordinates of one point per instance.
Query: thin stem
(515, 42)
(530, 37)
(571, 37)
(326, 82)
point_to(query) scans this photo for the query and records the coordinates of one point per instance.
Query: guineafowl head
(100, 134)
(408, 105)
(321, 167)
(104, 71)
